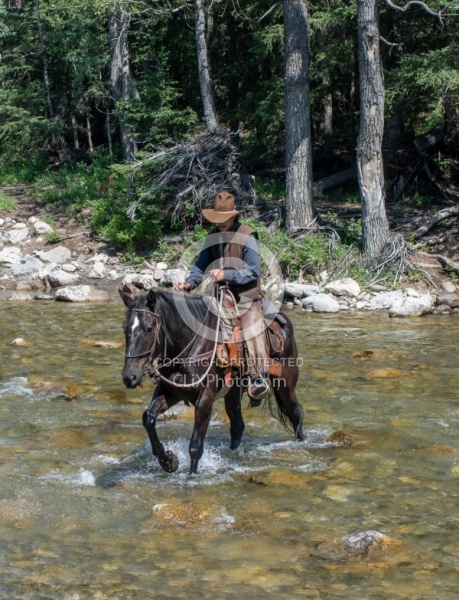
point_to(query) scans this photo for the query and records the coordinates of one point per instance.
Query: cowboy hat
(224, 209)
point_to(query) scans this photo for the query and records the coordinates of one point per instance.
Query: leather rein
(153, 365)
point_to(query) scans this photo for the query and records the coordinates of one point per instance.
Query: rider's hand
(217, 275)
(181, 285)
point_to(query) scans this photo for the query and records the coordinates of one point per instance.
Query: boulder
(10, 255)
(143, 282)
(58, 255)
(299, 290)
(343, 287)
(97, 271)
(81, 293)
(386, 299)
(17, 236)
(41, 227)
(412, 307)
(173, 275)
(321, 303)
(451, 299)
(29, 265)
(60, 278)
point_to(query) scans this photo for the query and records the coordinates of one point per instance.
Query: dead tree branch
(408, 5)
(436, 218)
(446, 262)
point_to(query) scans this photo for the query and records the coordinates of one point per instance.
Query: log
(436, 218)
(446, 262)
(333, 180)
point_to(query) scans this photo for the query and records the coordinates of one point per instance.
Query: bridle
(153, 365)
(156, 339)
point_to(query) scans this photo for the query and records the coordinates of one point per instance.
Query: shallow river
(86, 513)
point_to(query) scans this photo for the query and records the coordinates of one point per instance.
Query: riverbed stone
(42, 228)
(17, 236)
(58, 255)
(97, 271)
(20, 342)
(321, 303)
(10, 255)
(19, 297)
(142, 282)
(365, 545)
(343, 287)
(411, 306)
(81, 293)
(386, 299)
(60, 278)
(451, 299)
(28, 265)
(173, 275)
(299, 290)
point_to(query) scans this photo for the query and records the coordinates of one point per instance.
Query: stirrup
(258, 389)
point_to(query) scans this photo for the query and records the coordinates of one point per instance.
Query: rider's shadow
(136, 466)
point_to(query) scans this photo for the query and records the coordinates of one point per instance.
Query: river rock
(158, 274)
(29, 265)
(451, 299)
(2, 222)
(299, 290)
(20, 342)
(43, 297)
(412, 307)
(363, 545)
(10, 255)
(97, 271)
(19, 226)
(41, 227)
(173, 275)
(17, 236)
(142, 282)
(162, 266)
(60, 278)
(19, 297)
(386, 299)
(57, 255)
(70, 267)
(182, 514)
(81, 293)
(343, 287)
(448, 286)
(321, 303)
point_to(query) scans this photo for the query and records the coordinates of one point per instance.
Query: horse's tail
(277, 410)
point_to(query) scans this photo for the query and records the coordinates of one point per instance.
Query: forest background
(334, 122)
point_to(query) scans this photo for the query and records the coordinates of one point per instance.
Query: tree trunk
(46, 83)
(76, 143)
(370, 168)
(123, 86)
(327, 119)
(205, 78)
(89, 134)
(300, 209)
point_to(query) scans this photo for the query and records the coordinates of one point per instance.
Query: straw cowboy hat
(224, 209)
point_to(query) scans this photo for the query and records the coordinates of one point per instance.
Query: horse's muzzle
(132, 379)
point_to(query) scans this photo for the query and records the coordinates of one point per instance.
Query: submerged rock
(369, 544)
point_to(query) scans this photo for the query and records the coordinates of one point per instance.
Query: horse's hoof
(170, 463)
(234, 444)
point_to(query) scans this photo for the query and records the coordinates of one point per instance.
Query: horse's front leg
(234, 412)
(203, 412)
(159, 404)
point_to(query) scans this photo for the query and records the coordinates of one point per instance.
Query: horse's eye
(149, 329)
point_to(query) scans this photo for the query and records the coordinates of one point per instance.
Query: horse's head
(141, 329)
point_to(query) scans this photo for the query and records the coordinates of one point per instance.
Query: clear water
(85, 512)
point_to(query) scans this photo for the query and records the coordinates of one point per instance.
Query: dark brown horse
(171, 336)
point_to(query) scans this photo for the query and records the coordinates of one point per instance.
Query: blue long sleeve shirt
(242, 275)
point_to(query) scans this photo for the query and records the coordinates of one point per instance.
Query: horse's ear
(128, 293)
(151, 299)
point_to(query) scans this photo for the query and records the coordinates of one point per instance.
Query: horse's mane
(197, 305)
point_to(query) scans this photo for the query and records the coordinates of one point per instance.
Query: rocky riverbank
(80, 268)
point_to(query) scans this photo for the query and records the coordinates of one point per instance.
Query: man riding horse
(230, 256)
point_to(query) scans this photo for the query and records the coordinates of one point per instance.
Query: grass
(6, 203)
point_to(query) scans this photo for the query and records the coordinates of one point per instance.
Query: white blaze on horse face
(135, 324)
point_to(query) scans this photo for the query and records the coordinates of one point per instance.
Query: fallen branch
(437, 217)
(446, 262)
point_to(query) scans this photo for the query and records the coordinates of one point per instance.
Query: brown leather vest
(234, 249)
